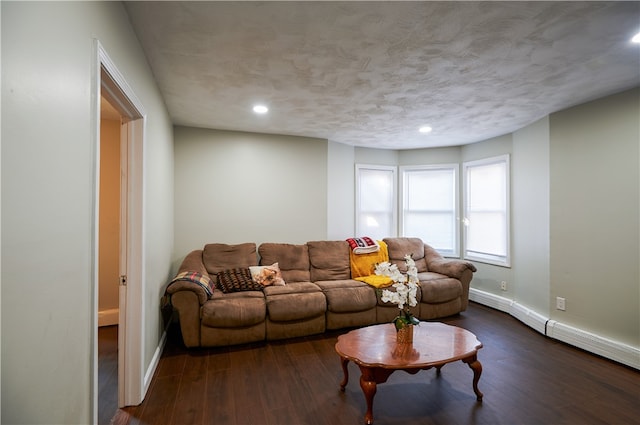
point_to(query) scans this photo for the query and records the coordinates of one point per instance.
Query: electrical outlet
(561, 303)
(503, 285)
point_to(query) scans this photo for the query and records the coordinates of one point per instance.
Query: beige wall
(234, 187)
(49, 133)
(448, 155)
(530, 282)
(594, 187)
(109, 240)
(340, 192)
(376, 156)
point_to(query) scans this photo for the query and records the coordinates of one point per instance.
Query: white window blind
(376, 200)
(486, 210)
(430, 206)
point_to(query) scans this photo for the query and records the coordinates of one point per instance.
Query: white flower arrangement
(406, 290)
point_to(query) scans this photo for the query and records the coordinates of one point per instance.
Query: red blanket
(363, 245)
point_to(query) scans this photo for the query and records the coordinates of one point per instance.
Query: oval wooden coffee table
(375, 350)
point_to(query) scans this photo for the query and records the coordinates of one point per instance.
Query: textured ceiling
(371, 73)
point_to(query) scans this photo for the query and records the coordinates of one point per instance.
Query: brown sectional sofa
(319, 293)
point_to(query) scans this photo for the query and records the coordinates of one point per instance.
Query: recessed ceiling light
(260, 109)
(425, 129)
(636, 38)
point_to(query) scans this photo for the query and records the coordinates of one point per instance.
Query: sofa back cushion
(399, 247)
(293, 260)
(329, 260)
(219, 256)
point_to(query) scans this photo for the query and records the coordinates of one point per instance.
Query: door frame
(110, 82)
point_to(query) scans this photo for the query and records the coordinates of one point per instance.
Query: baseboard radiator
(613, 350)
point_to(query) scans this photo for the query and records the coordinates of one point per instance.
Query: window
(486, 210)
(376, 201)
(430, 206)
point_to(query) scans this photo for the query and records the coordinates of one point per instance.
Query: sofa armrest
(185, 285)
(187, 305)
(191, 263)
(448, 267)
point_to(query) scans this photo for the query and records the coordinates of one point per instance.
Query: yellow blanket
(376, 281)
(363, 265)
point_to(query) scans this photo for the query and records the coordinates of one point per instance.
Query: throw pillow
(236, 280)
(267, 275)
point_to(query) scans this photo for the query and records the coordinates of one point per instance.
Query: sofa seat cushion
(291, 288)
(327, 285)
(295, 301)
(219, 295)
(348, 295)
(296, 306)
(235, 310)
(438, 288)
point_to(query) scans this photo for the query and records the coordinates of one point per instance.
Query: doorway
(109, 254)
(122, 158)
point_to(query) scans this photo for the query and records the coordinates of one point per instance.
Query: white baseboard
(529, 317)
(148, 376)
(490, 300)
(587, 341)
(604, 347)
(108, 317)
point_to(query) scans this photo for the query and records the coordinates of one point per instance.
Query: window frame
(455, 168)
(394, 188)
(488, 258)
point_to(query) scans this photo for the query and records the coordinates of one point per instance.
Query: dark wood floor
(107, 373)
(527, 379)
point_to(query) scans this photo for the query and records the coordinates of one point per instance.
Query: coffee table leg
(475, 365)
(344, 361)
(369, 388)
